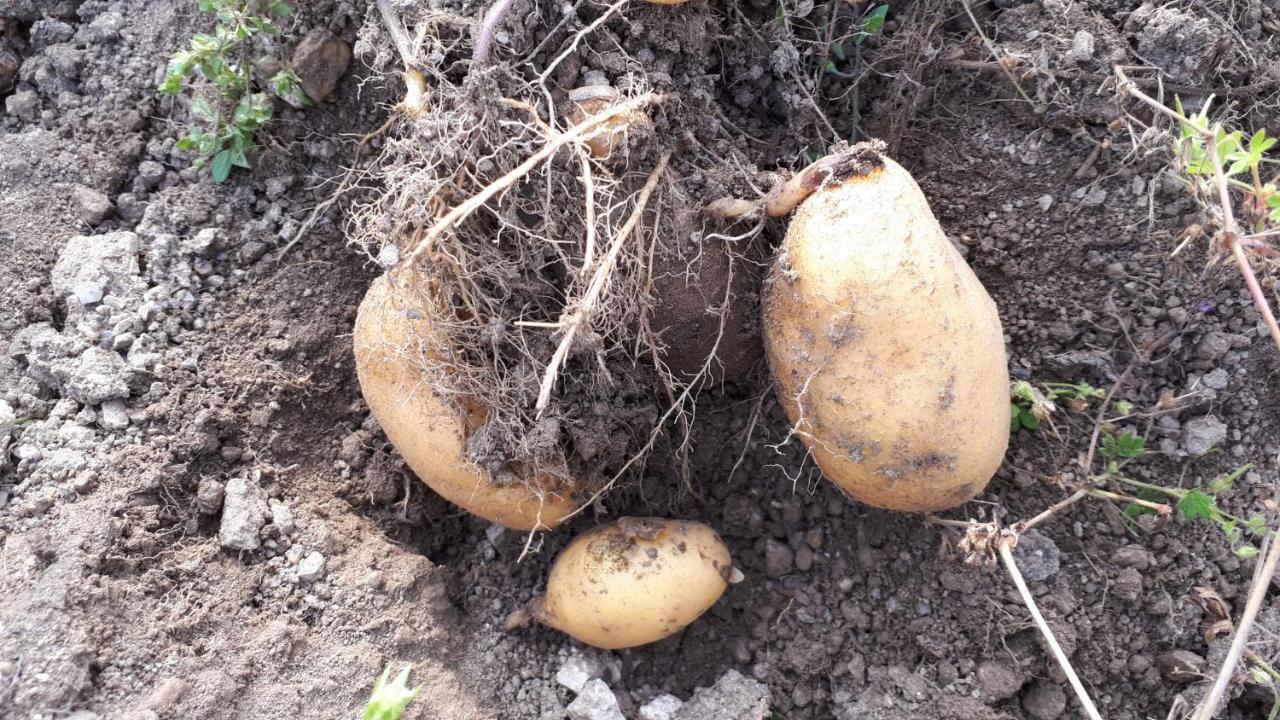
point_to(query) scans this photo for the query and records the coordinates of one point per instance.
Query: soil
(223, 369)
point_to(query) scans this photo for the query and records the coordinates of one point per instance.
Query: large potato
(634, 581)
(886, 350)
(394, 355)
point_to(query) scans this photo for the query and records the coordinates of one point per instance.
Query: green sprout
(389, 700)
(1202, 504)
(871, 24)
(234, 113)
(1262, 200)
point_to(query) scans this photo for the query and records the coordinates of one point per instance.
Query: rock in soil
(662, 707)
(999, 681)
(577, 671)
(320, 61)
(595, 702)
(1044, 700)
(92, 206)
(1202, 434)
(1182, 666)
(209, 495)
(1037, 556)
(244, 513)
(733, 697)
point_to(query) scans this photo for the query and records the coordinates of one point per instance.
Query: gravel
(1202, 434)
(595, 702)
(244, 513)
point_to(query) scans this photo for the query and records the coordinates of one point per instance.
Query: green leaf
(1124, 407)
(1224, 483)
(205, 5)
(1028, 419)
(221, 168)
(874, 20)
(1244, 552)
(1013, 420)
(239, 159)
(188, 143)
(389, 700)
(201, 108)
(1124, 446)
(281, 9)
(837, 51)
(1197, 505)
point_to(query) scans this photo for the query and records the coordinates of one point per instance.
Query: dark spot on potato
(652, 553)
(947, 395)
(681, 547)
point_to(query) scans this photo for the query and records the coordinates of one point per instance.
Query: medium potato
(393, 354)
(887, 352)
(634, 581)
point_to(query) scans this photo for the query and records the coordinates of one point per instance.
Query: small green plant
(389, 700)
(871, 24)
(1030, 405)
(1202, 504)
(233, 112)
(1261, 199)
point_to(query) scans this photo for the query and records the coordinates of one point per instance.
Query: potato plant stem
(1006, 555)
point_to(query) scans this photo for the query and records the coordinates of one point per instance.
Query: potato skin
(887, 352)
(391, 332)
(635, 581)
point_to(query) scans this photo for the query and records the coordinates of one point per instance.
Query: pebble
(1037, 556)
(595, 702)
(282, 517)
(998, 681)
(320, 60)
(577, 671)
(1216, 379)
(1202, 434)
(1045, 202)
(91, 206)
(779, 559)
(112, 415)
(7, 420)
(209, 494)
(244, 513)
(1128, 585)
(1181, 666)
(311, 568)
(663, 707)
(1132, 556)
(1044, 700)
(804, 558)
(733, 697)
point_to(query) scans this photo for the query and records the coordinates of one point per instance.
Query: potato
(612, 136)
(393, 353)
(886, 351)
(634, 581)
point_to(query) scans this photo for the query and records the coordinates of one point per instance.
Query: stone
(311, 568)
(1213, 346)
(91, 206)
(112, 415)
(7, 421)
(99, 375)
(663, 707)
(733, 697)
(779, 559)
(320, 60)
(1044, 700)
(1082, 48)
(150, 173)
(10, 61)
(595, 702)
(244, 513)
(1202, 434)
(109, 261)
(1128, 585)
(1181, 666)
(577, 671)
(998, 681)
(1132, 556)
(1216, 379)
(24, 105)
(1037, 556)
(282, 516)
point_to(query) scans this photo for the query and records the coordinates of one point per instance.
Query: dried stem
(574, 318)
(1005, 545)
(554, 143)
(484, 38)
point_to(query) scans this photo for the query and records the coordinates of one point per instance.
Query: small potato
(634, 581)
(886, 350)
(394, 359)
(612, 135)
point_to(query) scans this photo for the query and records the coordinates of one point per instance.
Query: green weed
(234, 110)
(389, 700)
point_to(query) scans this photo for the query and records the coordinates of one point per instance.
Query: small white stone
(282, 517)
(388, 256)
(595, 702)
(113, 416)
(311, 568)
(1045, 202)
(295, 553)
(576, 672)
(87, 293)
(663, 707)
